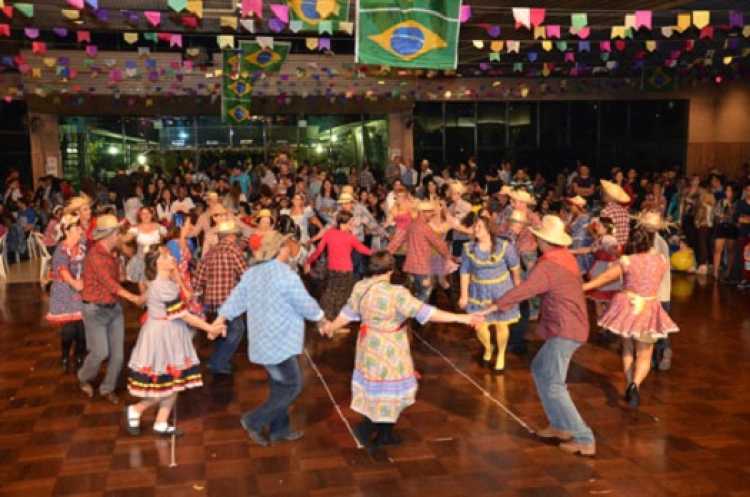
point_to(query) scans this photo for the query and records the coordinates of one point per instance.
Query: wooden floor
(690, 437)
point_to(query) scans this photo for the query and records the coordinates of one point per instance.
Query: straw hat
(105, 225)
(265, 213)
(270, 246)
(578, 201)
(458, 187)
(615, 192)
(75, 204)
(651, 220)
(518, 217)
(505, 190)
(521, 195)
(552, 231)
(345, 198)
(66, 222)
(425, 205)
(227, 227)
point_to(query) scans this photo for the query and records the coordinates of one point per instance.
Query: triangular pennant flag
(667, 31)
(518, 67)
(522, 16)
(60, 32)
(196, 7)
(707, 32)
(579, 20)
(325, 27)
(496, 45)
(562, 45)
(311, 43)
(735, 19)
(651, 45)
(537, 17)
(189, 21)
(27, 9)
(153, 17)
(547, 45)
(493, 30)
(629, 21)
(281, 12)
(618, 32)
(8, 11)
(513, 46)
(92, 50)
(248, 25)
(265, 41)
(152, 37)
(177, 5)
(251, 7)
(553, 31)
(175, 41)
(582, 33)
(324, 44)
(494, 57)
(5, 30)
(346, 27)
(76, 4)
(683, 21)
(228, 22)
(746, 31)
(532, 56)
(31, 33)
(584, 46)
(295, 25)
(605, 46)
(83, 36)
(71, 14)
(94, 4)
(570, 57)
(39, 47)
(465, 13)
(701, 18)
(643, 19)
(225, 41)
(130, 38)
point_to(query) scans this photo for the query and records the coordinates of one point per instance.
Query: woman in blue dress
(489, 268)
(578, 227)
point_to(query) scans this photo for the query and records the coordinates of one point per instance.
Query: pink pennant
(92, 50)
(537, 17)
(252, 7)
(4, 29)
(164, 36)
(281, 12)
(175, 41)
(190, 21)
(465, 14)
(153, 17)
(707, 33)
(570, 57)
(39, 47)
(643, 19)
(31, 33)
(553, 31)
(76, 4)
(584, 32)
(8, 11)
(605, 46)
(8, 99)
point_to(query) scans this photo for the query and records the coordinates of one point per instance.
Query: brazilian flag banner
(311, 12)
(256, 58)
(408, 33)
(237, 88)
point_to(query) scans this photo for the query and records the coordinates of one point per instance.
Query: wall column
(400, 135)
(44, 135)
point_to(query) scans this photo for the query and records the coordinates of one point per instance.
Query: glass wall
(548, 136)
(99, 146)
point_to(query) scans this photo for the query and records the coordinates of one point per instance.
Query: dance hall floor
(464, 437)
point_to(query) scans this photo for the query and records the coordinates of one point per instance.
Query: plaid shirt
(218, 272)
(420, 239)
(621, 218)
(101, 273)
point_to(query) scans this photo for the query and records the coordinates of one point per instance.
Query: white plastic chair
(44, 255)
(3, 257)
(31, 245)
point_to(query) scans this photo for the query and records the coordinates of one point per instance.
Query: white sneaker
(702, 269)
(666, 360)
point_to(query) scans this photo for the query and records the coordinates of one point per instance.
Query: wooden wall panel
(728, 157)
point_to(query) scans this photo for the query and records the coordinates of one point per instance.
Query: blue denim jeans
(221, 359)
(359, 262)
(285, 381)
(550, 369)
(422, 286)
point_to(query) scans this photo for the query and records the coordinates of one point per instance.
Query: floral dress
(606, 251)
(164, 360)
(635, 312)
(65, 303)
(384, 382)
(490, 278)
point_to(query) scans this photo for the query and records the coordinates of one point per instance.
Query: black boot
(386, 436)
(66, 342)
(633, 396)
(363, 432)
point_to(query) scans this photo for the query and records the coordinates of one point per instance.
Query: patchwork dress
(65, 304)
(384, 382)
(164, 360)
(490, 278)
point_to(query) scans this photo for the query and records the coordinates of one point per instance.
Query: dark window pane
(491, 132)
(428, 131)
(554, 124)
(460, 124)
(583, 118)
(522, 121)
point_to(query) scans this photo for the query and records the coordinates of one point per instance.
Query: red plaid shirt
(420, 239)
(219, 271)
(621, 218)
(101, 273)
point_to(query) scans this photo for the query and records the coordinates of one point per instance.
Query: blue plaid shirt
(277, 305)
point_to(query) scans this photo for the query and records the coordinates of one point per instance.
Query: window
(460, 128)
(491, 129)
(428, 132)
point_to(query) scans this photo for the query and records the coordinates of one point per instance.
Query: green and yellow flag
(408, 33)
(311, 12)
(257, 58)
(237, 88)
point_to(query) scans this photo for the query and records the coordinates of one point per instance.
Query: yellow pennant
(546, 45)
(225, 41)
(311, 43)
(71, 14)
(683, 21)
(496, 46)
(746, 31)
(618, 32)
(540, 33)
(650, 45)
(36, 72)
(478, 44)
(196, 7)
(228, 22)
(326, 7)
(630, 21)
(130, 38)
(49, 61)
(701, 18)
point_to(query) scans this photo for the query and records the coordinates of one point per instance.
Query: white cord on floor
(471, 380)
(333, 400)
(173, 462)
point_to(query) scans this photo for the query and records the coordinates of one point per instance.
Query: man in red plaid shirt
(614, 197)
(218, 273)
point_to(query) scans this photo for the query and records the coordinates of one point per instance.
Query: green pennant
(562, 45)
(579, 20)
(325, 27)
(604, 56)
(27, 9)
(177, 5)
(152, 37)
(494, 56)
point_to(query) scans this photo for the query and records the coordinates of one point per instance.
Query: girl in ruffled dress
(164, 361)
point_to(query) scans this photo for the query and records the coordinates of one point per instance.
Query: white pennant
(248, 24)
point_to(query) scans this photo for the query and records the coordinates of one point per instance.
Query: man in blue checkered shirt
(277, 305)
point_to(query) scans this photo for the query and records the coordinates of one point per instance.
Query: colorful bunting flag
(683, 21)
(76, 4)
(547, 45)
(228, 22)
(579, 20)
(27, 9)
(496, 45)
(643, 19)
(31, 33)
(196, 7)
(667, 31)
(347, 27)
(83, 36)
(175, 41)
(177, 5)
(71, 14)
(225, 42)
(522, 16)
(537, 17)
(701, 18)
(5, 30)
(465, 13)
(417, 38)
(281, 12)
(153, 17)
(539, 33)
(252, 7)
(130, 38)
(311, 43)
(553, 31)
(248, 25)
(736, 19)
